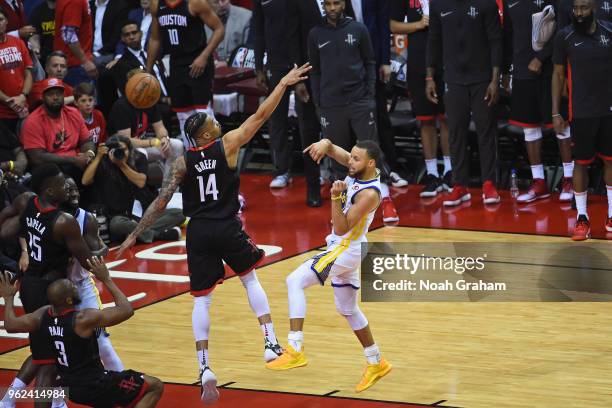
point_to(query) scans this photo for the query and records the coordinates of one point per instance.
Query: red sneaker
(458, 195)
(489, 193)
(567, 190)
(582, 229)
(609, 224)
(536, 191)
(389, 212)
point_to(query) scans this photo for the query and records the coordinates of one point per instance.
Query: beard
(55, 108)
(584, 24)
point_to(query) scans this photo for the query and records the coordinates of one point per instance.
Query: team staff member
(531, 103)
(344, 84)
(466, 39)
(179, 24)
(602, 8)
(585, 47)
(415, 26)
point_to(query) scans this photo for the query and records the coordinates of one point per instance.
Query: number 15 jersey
(210, 188)
(46, 255)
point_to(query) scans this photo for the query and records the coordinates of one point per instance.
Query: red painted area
(188, 396)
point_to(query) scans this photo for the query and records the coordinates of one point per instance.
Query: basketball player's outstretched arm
(234, 140)
(154, 41)
(157, 207)
(89, 319)
(13, 324)
(325, 147)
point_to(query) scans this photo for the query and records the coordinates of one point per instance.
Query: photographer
(118, 173)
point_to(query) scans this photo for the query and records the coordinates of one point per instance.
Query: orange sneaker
(372, 374)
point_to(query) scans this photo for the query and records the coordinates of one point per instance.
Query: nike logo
(371, 123)
(445, 14)
(321, 45)
(577, 44)
(513, 4)
(263, 3)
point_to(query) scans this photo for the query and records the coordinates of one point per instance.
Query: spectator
(375, 15)
(55, 133)
(55, 67)
(85, 101)
(270, 25)
(129, 121)
(237, 21)
(468, 44)
(13, 161)
(117, 173)
(74, 36)
(143, 18)
(428, 113)
(344, 85)
(531, 93)
(43, 20)
(16, 25)
(15, 77)
(585, 46)
(302, 17)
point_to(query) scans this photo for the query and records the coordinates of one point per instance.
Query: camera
(116, 150)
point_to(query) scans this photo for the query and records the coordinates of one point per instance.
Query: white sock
(268, 332)
(581, 203)
(295, 340)
(432, 167)
(609, 188)
(17, 384)
(568, 169)
(203, 358)
(384, 190)
(372, 354)
(447, 164)
(537, 171)
(59, 403)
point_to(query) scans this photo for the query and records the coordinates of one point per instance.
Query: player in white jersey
(83, 279)
(354, 203)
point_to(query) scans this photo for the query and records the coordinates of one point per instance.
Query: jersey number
(173, 34)
(211, 187)
(62, 359)
(35, 249)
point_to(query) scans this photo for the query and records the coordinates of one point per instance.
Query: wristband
(154, 142)
(11, 165)
(556, 115)
(429, 78)
(91, 153)
(336, 198)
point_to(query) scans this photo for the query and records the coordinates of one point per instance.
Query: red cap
(50, 83)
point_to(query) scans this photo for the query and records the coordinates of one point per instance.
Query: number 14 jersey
(210, 187)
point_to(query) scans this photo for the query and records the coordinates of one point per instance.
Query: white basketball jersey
(75, 271)
(357, 234)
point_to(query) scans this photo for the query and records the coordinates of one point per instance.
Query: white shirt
(100, 10)
(358, 10)
(320, 5)
(144, 27)
(136, 53)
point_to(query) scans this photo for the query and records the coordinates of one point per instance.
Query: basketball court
(444, 354)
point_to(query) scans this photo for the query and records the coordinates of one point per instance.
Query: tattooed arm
(158, 205)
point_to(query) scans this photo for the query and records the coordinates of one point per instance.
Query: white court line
(132, 298)
(155, 277)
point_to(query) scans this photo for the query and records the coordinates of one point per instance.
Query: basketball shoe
(209, 392)
(288, 360)
(373, 373)
(582, 229)
(537, 191)
(272, 351)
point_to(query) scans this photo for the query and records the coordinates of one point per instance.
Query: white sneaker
(209, 394)
(280, 181)
(397, 180)
(242, 202)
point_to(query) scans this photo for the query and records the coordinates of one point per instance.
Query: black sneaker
(432, 186)
(172, 234)
(447, 181)
(271, 351)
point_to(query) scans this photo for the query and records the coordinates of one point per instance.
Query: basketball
(142, 90)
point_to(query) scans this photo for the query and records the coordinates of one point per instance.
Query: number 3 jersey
(210, 188)
(46, 254)
(76, 357)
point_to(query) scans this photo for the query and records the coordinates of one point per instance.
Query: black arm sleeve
(508, 32)
(294, 34)
(258, 29)
(434, 38)
(315, 73)
(494, 34)
(369, 60)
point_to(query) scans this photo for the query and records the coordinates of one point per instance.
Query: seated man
(56, 66)
(237, 22)
(55, 133)
(129, 121)
(117, 174)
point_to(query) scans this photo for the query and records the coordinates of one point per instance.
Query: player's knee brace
(256, 294)
(532, 134)
(356, 319)
(565, 135)
(346, 305)
(200, 318)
